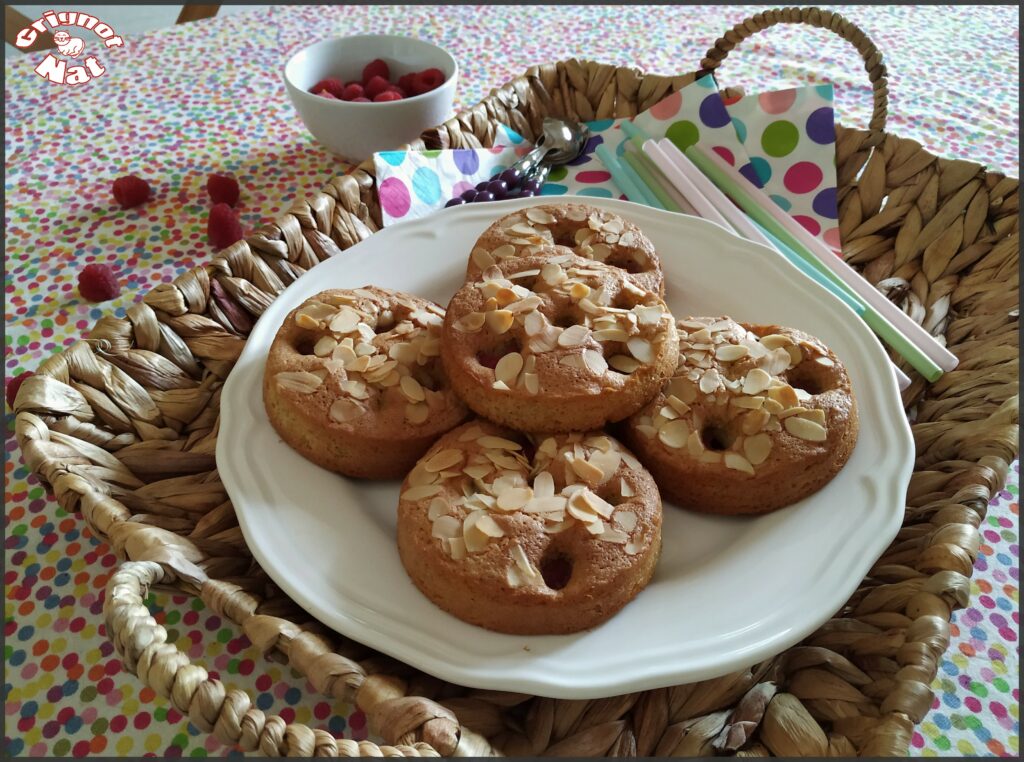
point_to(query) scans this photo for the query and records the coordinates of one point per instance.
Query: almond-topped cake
(557, 343)
(754, 418)
(540, 535)
(586, 231)
(354, 381)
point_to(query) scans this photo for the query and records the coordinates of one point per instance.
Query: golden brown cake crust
(354, 383)
(549, 544)
(755, 418)
(586, 231)
(556, 344)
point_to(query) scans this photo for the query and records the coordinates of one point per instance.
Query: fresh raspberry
(13, 384)
(131, 191)
(223, 189)
(98, 283)
(397, 89)
(361, 100)
(327, 94)
(331, 84)
(223, 227)
(387, 95)
(427, 80)
(376, 68)
(352, 91)
(406, 80)
(375, 87)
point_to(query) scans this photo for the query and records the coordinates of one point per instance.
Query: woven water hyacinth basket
(123, 427)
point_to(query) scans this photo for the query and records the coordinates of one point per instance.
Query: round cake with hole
(354, 381)
(586, 231)
(529, 535)
(556, 344)
(755, 418)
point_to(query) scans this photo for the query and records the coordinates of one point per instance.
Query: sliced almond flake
(489, 526)
(523, 564)
(438, 507)
(508, 367)
(756, 381)
(417, 412)
(478, 471)
(754, 421)
(737, 462)
(533, 323)
(648, 315)
(543, 485)
(625, 489)
(552, 504)
(572, 361)
(471, 434)
(501, 386)
(579, 290)
(345, 321)
(355, 388)
(641, 349)
(611, 334)
(524, 274)
(493, 442)
(692, 325)
(475, 540)
(573, 336)
(805, 429)
(548, 447)
(581, 512)
(531, 382)
(674, 434)
(777, 362)
(539, 216)
(404, 352)
(457, 548)
(595, 362)
(503, 252)
(710, 381)
(802, 395)
(757, 448)
(307, 321)
(678, 405)
(589, 307)
(358, 365)
(324, 346)
(559, 527)
(694, 444)
(785, 395)
(625, 520)
(344, 410)
(632, 548)
(748, 403)
(796, 355)
(668, 413)
(816, 414)
(423, 491)
(552, 274)
(608, 462)
(600, 252)
(499, 321)
(731, 352)
(772, 407)
(826, 361)
(587, 471)
(470, 323)
(597, 528)
(514, 499)
(446, 527)
(711, 456)
(616, 536)
(411, 389)
(482, 258)
(443, 459)
(775, 341)
(300, 381)
(597, 504)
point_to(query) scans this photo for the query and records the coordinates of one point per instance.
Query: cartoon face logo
(68, 45)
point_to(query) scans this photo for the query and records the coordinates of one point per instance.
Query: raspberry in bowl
(373, 92)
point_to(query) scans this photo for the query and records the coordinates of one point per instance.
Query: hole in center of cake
(305, 343)
(385, 322)
(804, 376)
(716, 438)
(488, 357)
(556, 569)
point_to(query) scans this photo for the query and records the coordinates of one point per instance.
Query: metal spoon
(561, 141)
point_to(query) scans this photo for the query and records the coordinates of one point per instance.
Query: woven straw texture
(123, 426)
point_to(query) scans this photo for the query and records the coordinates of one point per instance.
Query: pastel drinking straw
(703, 207)
(646, 194)
(622, 180)
(732, 182)
(633, 159)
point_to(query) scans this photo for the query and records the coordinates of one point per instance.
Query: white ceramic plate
(727, 592)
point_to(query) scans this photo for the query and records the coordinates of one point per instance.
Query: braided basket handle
(816, 17)
(230, 714)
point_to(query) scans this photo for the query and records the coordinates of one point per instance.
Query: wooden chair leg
(14, 22)
(191, 12)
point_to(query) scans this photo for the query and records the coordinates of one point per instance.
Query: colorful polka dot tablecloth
(178, 104)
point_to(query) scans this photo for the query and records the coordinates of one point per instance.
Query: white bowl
(357, 130)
